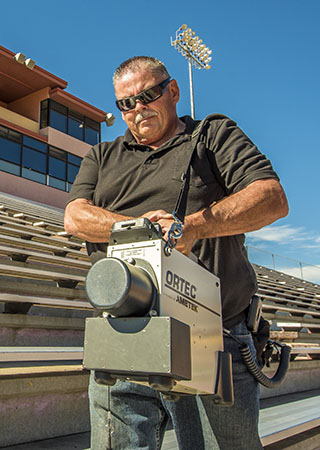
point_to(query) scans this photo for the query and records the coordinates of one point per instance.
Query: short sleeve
(237, 160)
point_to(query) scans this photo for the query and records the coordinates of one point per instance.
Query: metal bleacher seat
(293, 308)
(40, 270)
(31, 263)
(27, 209)
(43, 307)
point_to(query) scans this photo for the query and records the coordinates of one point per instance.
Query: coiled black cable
(257, 373)
(254, 368)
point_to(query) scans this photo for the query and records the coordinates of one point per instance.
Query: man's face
(151, 123)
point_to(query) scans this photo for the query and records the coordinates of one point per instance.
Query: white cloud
(278, 233)
(286, 234)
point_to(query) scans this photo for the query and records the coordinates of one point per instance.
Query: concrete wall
(302, 376)
(65, 142)
(36, 408)
(29, 106)
(27, 189)
(19, 120)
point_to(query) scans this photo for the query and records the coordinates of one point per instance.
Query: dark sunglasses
(145, 97)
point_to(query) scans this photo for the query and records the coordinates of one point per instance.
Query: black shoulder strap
(179, 211)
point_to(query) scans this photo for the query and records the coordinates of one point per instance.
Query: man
(233, 190)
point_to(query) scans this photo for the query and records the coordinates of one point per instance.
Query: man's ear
(175, 91)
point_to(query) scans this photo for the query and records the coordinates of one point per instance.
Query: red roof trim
(53, 79)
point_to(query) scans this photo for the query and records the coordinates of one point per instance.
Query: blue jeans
(138, 415)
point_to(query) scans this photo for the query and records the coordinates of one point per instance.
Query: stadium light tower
(195, 51)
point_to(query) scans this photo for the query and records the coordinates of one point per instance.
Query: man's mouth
(143, 116)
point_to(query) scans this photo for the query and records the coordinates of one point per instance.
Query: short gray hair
(141, 62)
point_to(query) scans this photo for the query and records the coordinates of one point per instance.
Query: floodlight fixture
(196, 53)
(30, 63)
(20, 57)
(109, 118)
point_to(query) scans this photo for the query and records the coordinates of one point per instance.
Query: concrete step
(80, 441)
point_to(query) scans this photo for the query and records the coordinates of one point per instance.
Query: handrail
(289, 271)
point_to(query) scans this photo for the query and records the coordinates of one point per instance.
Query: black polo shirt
(131, 179)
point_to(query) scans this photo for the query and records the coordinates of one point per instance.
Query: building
(44, 131)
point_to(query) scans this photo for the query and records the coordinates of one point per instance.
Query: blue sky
(265, 75)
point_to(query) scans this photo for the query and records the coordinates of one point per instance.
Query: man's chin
(147, 139)
(147, 133)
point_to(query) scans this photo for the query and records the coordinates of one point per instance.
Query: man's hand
(165, 220)
(162, 217)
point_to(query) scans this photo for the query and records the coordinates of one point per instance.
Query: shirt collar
(130, 141)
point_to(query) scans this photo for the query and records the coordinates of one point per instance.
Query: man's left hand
(165, 220)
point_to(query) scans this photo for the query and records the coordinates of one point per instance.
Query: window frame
(49, 105)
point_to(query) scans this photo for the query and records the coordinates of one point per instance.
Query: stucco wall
(19, 120)
(27, 189)
(65, 142)
(29, 106)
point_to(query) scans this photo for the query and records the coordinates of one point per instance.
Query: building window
(72, 169)
(33, 143)
(58, 121)
(33, 175)
(32, 159)
(34, 165)
(92, 132)
(10, 150)
(29, 158)
(57, 170)
(5, 166)
(58, 116)
(75, 126)
(44, 114)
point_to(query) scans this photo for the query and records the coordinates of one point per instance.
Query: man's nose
(140, 106)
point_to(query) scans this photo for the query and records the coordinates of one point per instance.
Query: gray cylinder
(120, 288)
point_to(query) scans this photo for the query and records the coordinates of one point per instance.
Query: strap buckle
(174, 234)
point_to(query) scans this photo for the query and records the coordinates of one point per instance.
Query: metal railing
(290, 266)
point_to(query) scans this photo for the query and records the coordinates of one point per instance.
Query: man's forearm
(89, 222)
(254, 207)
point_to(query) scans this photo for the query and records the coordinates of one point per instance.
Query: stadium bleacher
(43, 307)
